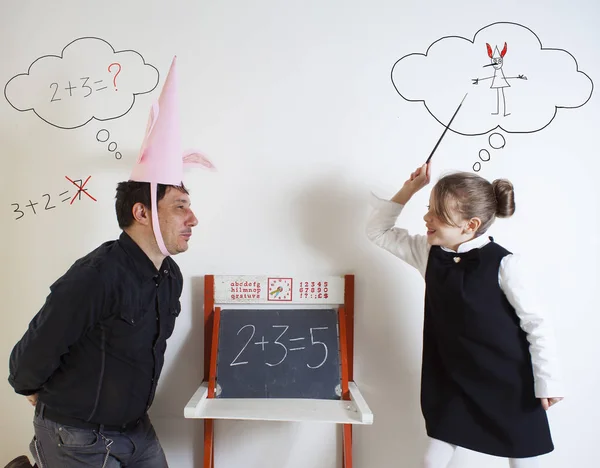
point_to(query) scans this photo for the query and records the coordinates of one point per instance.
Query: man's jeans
(59, 446)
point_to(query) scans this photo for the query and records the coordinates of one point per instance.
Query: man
(92, 357)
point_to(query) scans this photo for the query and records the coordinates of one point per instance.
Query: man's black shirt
(96, 349)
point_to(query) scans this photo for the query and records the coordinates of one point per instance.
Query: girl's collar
(475, 243)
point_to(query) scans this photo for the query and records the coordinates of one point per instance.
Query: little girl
(489, 367)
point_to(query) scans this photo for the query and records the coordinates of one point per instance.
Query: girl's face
(448, 235)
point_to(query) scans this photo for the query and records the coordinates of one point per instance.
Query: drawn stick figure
(499, 81)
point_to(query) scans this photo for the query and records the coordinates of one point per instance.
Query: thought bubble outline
(61, 57)
(503, 141)
(473, 42)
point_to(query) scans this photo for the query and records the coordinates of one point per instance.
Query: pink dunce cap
(162, 159)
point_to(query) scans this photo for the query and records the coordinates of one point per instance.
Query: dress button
(456, 259)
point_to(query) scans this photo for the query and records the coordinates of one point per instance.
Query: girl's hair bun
(505, 198)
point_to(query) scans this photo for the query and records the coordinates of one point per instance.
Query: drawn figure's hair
(491, 53)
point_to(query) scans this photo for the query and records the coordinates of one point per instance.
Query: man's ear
(473, 225)
(141, 214)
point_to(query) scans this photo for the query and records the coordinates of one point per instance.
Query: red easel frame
(212, 317)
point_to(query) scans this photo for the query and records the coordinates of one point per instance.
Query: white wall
(295, 106)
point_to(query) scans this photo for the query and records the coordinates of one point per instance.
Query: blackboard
(289, 353)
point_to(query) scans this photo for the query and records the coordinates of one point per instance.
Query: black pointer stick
(446, 129)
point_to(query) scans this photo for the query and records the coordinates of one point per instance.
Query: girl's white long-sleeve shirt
(414, 250)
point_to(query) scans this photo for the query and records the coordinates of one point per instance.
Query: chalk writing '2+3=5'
(49, 203)
(297, 345)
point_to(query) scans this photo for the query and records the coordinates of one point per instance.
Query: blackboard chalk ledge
(353, 411)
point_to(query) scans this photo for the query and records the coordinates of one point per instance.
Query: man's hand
(548, 402)
(32, 399)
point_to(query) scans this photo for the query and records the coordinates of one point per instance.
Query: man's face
(176, 220)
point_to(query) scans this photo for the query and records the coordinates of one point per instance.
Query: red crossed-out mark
(80, 189)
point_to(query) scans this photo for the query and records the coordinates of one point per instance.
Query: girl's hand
(548, 402)
(417, 180)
